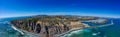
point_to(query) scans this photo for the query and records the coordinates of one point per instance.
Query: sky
(101, 8)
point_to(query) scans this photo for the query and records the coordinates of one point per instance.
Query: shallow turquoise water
(109, 31)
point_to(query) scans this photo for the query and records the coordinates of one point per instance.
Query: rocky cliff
(49, 26)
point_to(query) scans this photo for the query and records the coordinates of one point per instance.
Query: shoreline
(68, 32)
(72, 30)
(23, 32)
(59, 35)
(87, 27)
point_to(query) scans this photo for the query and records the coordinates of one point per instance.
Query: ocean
(6, 30)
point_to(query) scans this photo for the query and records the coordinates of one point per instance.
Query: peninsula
(52, 25)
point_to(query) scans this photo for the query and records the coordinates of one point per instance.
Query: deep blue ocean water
(109, 31)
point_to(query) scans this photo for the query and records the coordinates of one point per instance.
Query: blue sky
(102, 8)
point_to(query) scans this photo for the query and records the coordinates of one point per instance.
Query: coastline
(17, 30)
(76, 29)
(59, 35)
(72, 30)
(68, 32)
(23, 32)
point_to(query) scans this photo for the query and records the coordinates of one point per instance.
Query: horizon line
(59, 14)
